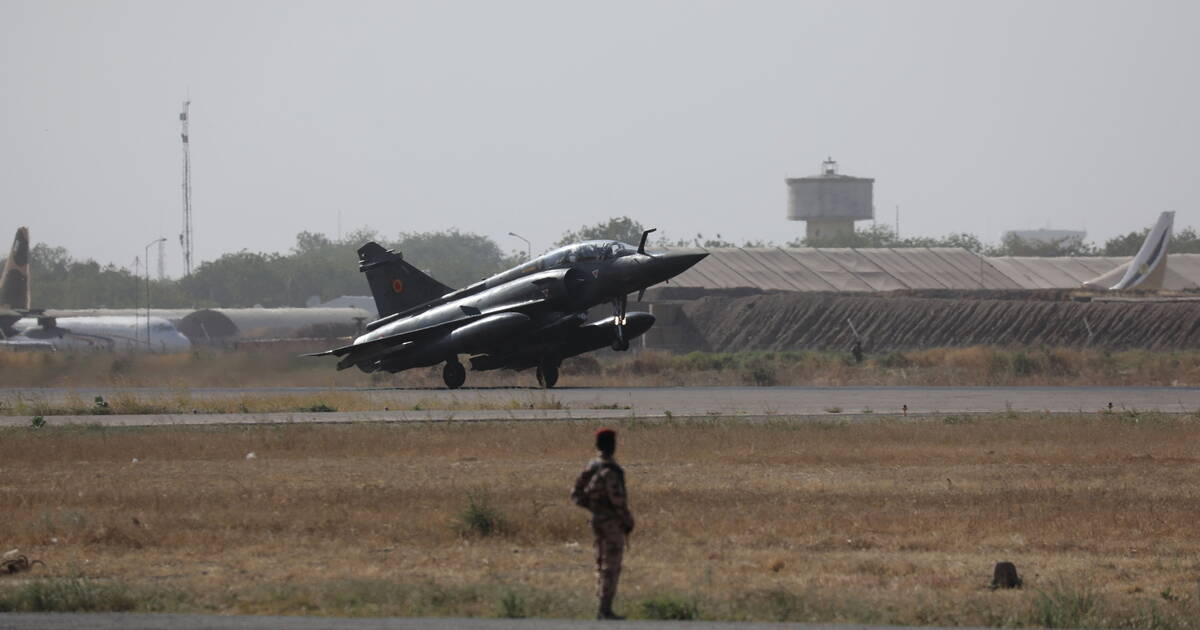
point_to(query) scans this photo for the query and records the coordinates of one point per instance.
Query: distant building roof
(883, 269)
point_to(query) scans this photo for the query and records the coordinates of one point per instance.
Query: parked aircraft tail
(395, 284)
(14, 284)
(1148, 268)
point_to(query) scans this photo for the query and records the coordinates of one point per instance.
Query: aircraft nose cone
(670, 264)
(675, 263)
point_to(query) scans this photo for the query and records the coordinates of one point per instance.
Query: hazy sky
(538, 117)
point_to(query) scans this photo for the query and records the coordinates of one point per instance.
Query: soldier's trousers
(610, 548)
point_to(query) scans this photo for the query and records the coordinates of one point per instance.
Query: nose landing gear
(620, 344)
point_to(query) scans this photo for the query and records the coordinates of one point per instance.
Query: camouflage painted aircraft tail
(14, 284)
(1148, 268)
(396, 285)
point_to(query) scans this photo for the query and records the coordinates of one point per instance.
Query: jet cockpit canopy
(561, 258)
(584, 252)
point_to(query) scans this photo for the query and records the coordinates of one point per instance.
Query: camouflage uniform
(600, 488)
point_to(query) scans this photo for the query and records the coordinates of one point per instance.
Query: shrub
(669, 608)
(1023, 364)
(480, 517)
(512, 606)
(761, 373)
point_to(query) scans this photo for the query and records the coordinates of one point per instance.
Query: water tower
(830, 202)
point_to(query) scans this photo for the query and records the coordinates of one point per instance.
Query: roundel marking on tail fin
(397, 285)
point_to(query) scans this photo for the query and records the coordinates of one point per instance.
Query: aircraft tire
(547, 376)
(620, 345)
(454, 374)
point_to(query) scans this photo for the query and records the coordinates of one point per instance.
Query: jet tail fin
(395, 284)
(14, 283)
(1149, 265)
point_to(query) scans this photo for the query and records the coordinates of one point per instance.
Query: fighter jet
(531, 316)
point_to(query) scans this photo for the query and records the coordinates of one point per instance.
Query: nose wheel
(620, 343)
(454, 374)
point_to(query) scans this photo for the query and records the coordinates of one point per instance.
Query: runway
(600, 404)
(120, 621)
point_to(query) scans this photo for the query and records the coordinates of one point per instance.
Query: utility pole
(185, 238)
(137, 299)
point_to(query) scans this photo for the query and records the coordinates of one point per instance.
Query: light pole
(528, 247)
(147, 259)
(137, 288)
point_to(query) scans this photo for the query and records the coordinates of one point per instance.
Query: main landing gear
(547, 373)
(620, 343)
(454, 374)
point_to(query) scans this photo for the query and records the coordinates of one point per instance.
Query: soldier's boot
(608, 590)
(606, 612)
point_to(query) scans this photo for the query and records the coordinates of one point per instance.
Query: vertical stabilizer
(14, 284)
(395, 284)
(1149, 266)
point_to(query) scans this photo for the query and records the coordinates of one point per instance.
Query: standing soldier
(857, 351)
(600, 489)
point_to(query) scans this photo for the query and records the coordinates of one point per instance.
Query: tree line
(317, 265)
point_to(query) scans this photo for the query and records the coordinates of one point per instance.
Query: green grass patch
(668, 607)
(79, 594)
(384, 598)
(1066, 606)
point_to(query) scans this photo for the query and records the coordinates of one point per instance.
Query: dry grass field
(977, 365)
(185, 401)
(882, 521)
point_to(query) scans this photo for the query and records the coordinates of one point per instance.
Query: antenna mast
(185, 239)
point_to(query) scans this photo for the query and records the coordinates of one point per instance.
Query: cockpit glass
(617, 249)
(583, 252)
(589, 251)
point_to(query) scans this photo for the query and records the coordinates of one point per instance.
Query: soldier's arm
(616, 496)
(579, 494)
